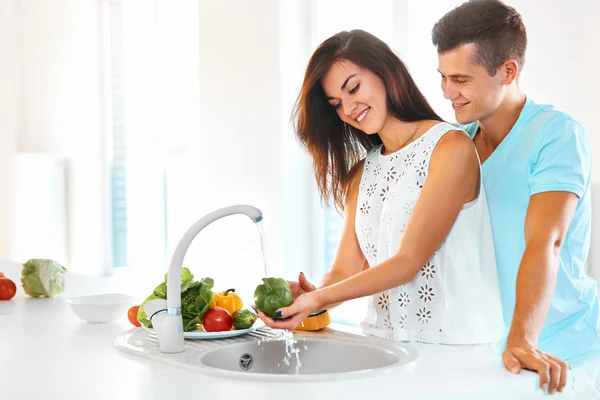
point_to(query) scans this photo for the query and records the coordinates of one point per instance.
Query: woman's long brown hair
(336, 150)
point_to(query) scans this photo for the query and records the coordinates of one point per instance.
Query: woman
(415, 208)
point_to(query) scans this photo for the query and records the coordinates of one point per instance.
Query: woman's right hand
(301, 287)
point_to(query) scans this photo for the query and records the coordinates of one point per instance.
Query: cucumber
(243, 319)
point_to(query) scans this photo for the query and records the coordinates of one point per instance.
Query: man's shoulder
(557, 137)
(546, 117)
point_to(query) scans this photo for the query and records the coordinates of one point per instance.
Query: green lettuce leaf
(196, 297)
(195, 302)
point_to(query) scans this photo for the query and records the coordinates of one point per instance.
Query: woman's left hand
(290, 317)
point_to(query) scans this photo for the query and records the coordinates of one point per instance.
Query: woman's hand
(301, 287)
(290, 317)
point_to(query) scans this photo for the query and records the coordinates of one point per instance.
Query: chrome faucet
(166, 314)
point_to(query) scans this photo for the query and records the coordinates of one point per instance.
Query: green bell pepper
(273, 294)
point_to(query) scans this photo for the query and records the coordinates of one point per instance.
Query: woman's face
(358, 95)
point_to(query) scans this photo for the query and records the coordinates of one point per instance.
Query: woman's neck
(396, 133)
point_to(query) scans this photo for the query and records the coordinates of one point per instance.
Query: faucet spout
(172, 340)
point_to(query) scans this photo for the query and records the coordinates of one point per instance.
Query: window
(164, 170)
(152, 92)
(118, 150)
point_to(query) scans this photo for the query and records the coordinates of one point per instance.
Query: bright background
(124, 121)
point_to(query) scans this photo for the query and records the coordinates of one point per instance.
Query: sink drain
(246, 361)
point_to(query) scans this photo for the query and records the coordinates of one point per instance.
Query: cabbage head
(43, 278)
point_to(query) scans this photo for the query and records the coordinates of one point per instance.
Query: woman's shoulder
(443, 126)
(454, 143)
(455, 154)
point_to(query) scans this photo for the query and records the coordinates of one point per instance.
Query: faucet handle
(168, 328)
(154, 307)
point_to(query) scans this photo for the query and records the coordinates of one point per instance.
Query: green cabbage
(43, 278)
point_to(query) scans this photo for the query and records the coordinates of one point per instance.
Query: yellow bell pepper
(228, 300)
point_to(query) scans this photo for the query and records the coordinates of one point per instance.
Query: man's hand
(301, 287)
(552, 371)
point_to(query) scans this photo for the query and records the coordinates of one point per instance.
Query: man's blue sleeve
(561, 160)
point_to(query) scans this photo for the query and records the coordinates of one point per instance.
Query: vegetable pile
(196, 298)
(201, 308)
(39, 278)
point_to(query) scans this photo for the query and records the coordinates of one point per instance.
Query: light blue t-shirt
(546, 150)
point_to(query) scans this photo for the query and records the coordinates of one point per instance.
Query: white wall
(9, 106)
(57, 83)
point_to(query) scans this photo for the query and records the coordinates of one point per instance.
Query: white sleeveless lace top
(455, 297)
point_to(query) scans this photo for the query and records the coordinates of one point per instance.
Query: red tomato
(132, 315)
(8, 289)
(217, 320)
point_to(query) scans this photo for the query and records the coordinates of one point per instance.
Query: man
(536, 166)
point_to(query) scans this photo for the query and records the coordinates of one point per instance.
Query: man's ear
(510, 71)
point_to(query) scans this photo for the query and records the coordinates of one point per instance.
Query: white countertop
(47, 352)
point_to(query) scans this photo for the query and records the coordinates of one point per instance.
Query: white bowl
(101, 308)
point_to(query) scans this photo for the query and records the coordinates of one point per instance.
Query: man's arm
(546, 224)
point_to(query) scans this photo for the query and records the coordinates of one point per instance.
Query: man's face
(475, 95)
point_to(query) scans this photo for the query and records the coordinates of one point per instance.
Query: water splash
(291, 349)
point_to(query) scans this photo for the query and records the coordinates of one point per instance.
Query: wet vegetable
(272, 295)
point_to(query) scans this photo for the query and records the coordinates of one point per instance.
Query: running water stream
(291, 349)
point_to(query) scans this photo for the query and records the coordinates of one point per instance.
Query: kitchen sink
(266, 355)
(309, 355)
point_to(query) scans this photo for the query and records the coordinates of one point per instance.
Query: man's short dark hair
(495, 28)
